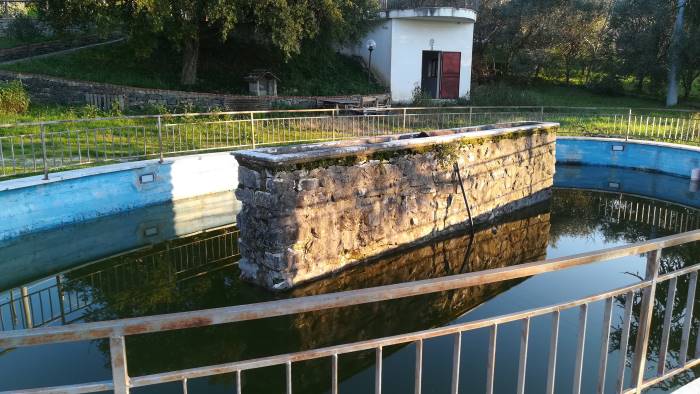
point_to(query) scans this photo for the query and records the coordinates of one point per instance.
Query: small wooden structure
(262, 83)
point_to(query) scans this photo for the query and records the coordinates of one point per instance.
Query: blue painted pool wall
(650, 156)
(78, 198)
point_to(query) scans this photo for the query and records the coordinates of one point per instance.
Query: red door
(449, 75)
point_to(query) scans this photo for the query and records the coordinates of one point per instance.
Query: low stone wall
(312, 210)
(53, 90)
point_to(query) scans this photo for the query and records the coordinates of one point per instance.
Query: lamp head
(371, 45)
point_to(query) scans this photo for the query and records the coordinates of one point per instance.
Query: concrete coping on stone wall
(277, 157)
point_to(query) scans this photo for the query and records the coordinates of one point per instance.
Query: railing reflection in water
(62, 298)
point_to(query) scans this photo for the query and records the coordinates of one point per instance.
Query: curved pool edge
(86, 194)
(660, 157)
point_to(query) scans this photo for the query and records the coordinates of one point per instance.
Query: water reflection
(522, 239)
(200, 272)
(629, 219)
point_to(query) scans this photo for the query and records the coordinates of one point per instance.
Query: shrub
(25, 29)
(499, 94)
(608, 85)
(90, 111)
(14, 98)
(420, 98)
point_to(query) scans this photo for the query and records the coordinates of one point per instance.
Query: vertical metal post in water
(61, 297)
(252, 128)
(26, 307)
(120, 377)
(160, 138)
(647, 309)
(43, 150)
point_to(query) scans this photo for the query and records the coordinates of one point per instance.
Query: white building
(424, 44)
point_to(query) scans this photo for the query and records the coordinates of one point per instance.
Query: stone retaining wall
(53, 90)
(316, 217)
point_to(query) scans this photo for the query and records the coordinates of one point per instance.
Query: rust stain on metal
(136, 329)
(188, 323)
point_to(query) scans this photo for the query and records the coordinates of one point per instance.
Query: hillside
(315, 71)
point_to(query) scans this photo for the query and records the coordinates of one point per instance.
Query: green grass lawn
(317, 71)
(553, 94)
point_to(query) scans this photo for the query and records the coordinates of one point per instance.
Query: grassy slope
(318, 71)
(551, 94)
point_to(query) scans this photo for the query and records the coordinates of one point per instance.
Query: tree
(579, 25)
(674, 58)
(641, 33)
(282, 24)
(690, 49)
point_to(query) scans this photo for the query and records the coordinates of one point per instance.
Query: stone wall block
(312, 222)
(249, 178)
(305, 184)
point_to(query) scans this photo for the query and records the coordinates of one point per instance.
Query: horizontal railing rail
(117, 330)
(44, 147)
(410, 4)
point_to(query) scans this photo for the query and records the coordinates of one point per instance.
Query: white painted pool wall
(401, 39)
(32, 204)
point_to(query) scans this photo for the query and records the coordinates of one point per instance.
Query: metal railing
(117, 330)
(42, 147)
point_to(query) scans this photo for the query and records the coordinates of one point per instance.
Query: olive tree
(284, 24)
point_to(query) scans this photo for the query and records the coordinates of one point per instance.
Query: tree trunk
(190, 59)
(640, 83)
(674, 56)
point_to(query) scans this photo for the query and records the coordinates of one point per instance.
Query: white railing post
(160, 139)
(471, 109)
(644, 326)
(333, 125)
(542, 114)
(252, 128)
(629, 124)
(43, 150)
(120, 376)
(26, 308)
(404, 119)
